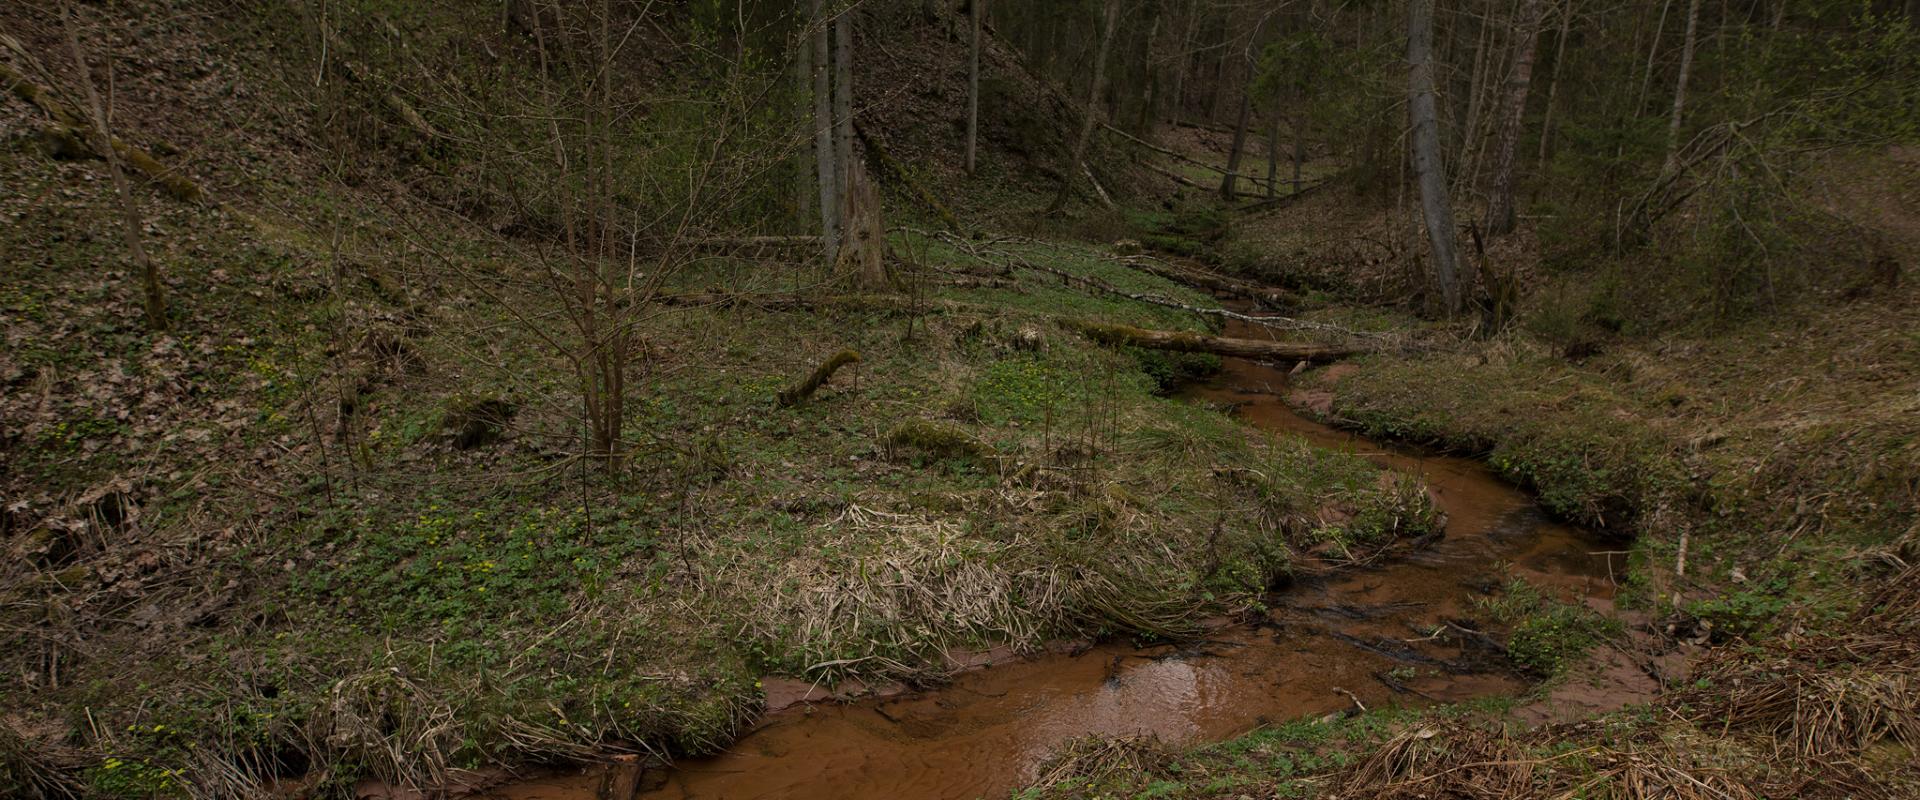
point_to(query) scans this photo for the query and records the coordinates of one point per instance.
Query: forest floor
(332, 523)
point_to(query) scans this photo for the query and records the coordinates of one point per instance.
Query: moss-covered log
(67, 132)
(1188, 342)
(799, 392)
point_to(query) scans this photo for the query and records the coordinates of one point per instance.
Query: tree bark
(1428, 163)
(823, 150)
(153, 292)
(1680, 85)
(1188, 342)
(1110, 21)
(1532, 13)
(976, 9)
(1228, 187)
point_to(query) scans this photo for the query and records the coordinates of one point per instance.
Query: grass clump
(1547, 635)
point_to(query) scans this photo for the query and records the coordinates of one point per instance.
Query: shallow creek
(1358, 636)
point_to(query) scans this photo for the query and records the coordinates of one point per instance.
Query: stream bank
(1402, 632)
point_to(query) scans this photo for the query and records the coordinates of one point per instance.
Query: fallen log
(66, 136)
(1189, 342)
(1267, 295)
(799, 392)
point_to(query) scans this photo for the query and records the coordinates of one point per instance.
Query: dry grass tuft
(1092, 759)
(1658, 772)
(35, 766)
(1422, 762)
(399, 731)
(1834, 695)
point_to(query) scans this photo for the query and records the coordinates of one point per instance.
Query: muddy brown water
(1328, 643)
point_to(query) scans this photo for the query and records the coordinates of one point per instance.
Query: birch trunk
(1680, 86)
(1500, 218)
(1429, 166)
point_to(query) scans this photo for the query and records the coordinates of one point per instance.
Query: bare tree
(1431, 169)
(1526, 36)
(976, 9)
(1110, 21)
(1680, 84)
(1553, 85)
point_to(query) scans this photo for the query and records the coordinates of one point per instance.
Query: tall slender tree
(1526, 36)
(1430, 168)
(1229, 187)
(1680, 84)
(1076, 158)
(823, 150)
(975, 9)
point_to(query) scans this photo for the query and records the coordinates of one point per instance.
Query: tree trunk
(1680, 85)
(803, 172)
(976, 9)
(1177, 103)
(823, 149)
(1428, 164)
(1532, 13)
(1188, 342)
(1228, 183)
(1646, 78)
(1299, 146)
(155, 300)
(1273, 155)
(843, 102)
(1110, 21)
(1553, 85)
(863, 248)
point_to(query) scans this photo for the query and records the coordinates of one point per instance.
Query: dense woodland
(421, 396)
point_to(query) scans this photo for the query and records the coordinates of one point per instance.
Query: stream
(1360, 636)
